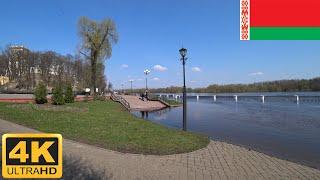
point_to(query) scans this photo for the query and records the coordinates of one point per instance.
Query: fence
(248, 98)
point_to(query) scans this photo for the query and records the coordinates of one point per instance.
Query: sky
(151, 32)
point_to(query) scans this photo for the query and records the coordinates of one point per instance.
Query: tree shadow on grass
(75, 168)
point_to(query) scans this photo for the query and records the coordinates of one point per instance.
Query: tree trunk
(93, 72)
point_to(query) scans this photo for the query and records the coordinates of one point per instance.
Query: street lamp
(146, 72)
(183, 53)
(131, 80)
(122, 90)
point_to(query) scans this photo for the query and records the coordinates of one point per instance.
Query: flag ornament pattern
(279, 20)
(244, 20)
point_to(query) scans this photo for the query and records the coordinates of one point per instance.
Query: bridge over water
(263, 98)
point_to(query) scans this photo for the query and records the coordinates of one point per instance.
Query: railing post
(197, 97)
(262, 98)
(214, 98)
(297, 98)
(236, 98)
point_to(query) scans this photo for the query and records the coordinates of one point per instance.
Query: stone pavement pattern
(218, 160)
(138, 104)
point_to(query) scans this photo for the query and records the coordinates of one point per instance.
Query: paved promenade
(138, 104)
(218, 160)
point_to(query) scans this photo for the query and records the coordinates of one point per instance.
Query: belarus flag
(280, 19)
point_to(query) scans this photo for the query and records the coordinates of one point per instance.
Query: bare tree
(27, 69)
(46, 65)
(97, 40)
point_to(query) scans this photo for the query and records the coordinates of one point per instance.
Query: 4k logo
(32, 156)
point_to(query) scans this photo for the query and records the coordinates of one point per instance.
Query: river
(279, 127)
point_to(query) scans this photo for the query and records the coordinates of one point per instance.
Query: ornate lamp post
(146, 72)
(122, 90)
(183, 53)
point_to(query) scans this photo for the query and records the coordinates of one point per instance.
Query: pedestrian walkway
(218, 160)
(142, 105)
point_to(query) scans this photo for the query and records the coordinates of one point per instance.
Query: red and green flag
(280, 19)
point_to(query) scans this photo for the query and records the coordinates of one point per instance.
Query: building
(17, 54)
(4, 80)
(17, 48)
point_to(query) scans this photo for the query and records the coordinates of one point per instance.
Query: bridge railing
(254, 98)
(152, 97)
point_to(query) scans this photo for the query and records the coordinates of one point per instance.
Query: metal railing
(260, 98)
(121, 100)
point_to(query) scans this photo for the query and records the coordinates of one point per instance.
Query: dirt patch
(49, 107)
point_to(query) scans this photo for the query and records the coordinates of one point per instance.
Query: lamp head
(183, 52)
(146, 72)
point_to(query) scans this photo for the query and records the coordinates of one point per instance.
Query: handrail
(124, 102)
(242, 95)
(263, 98)
(121, 100)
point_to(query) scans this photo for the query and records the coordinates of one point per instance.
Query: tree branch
(85, 55)
(90, 40)
(104, 37)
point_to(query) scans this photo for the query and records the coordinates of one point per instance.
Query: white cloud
(124, 65)
(159, 68)
(196, 69)
(256, 74)
(193, 81)
(155, 79)
(140, 79)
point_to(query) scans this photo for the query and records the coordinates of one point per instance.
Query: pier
(134, 103)
(297, 99)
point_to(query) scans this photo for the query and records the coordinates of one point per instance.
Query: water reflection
(144, 114)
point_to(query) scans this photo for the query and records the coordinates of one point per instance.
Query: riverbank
(105, 124)
(218, 160)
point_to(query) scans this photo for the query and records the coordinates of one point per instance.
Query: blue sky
(151, 33)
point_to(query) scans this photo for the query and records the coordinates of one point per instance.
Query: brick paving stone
(218, 160)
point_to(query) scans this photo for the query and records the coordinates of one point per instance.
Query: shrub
(57, 96)
(41, 94)
(99, 98)
(69, 98)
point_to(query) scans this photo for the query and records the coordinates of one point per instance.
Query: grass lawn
(105, 124)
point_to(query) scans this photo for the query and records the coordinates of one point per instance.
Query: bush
(99, 98)
(57, 97)
(69, 98)
(41, 94)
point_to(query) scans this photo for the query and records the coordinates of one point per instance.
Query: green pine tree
(69, 98)
(41, 94)
(57, 97)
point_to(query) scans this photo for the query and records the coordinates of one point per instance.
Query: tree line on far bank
(294, 85)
